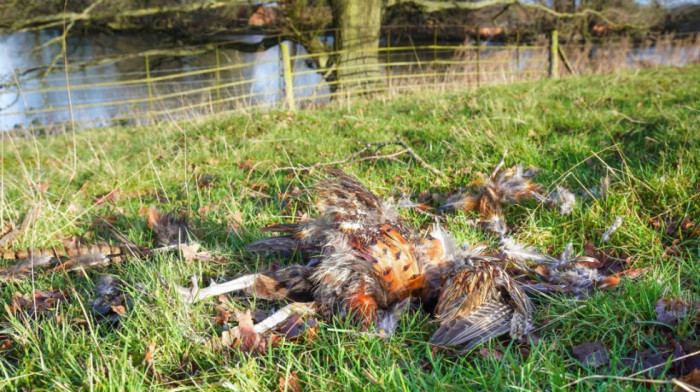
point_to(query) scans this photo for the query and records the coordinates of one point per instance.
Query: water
(102, 105)
(98, 96)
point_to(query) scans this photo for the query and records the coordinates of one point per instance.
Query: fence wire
(164, 96)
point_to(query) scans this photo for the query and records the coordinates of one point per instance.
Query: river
(101, 66)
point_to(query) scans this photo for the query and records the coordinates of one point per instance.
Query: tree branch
(56, 19)
(434, 6)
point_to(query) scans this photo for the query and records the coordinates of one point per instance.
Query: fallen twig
(420, 160)
(376, 146)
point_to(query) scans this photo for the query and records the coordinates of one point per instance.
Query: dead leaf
(669, 311)
(222, 316)
(235, 220)
(542, 270)
(591, 354)
(5, 342)
(246, 165)
(110, 302)
(119, 309)
(171, 228)
(687, 224)
(249, 341)
(296, 328)
(111, 196)
(205, 181)
(692, 378)
(148, 357)
(290, 383)
(488, 353)
(72, 242)
(42, 187)
(633, 273)
(152, 217)
(646, 359)
(41, 302)
(191, 253)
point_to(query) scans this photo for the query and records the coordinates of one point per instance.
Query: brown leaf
(647, 359)
(245, 165)
(190, 253)
(119, 309)
(633, 273)
(5, 342)
(542, 270)
(152, 217)
(42, 187)
(686, 224)
(222, 316)
(669, 311)
(72, 242)
(295, 328)
(488, 353)
(249, 341)
(290, 383)
(692, 378)
(111, 196)
(591, 354)
(41, 302)
(148, 357)
(110, 303)
(235, 220)
(205, 181)
(607, 263)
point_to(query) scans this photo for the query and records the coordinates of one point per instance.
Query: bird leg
(195, 294)
(258, 285)
(282, 315)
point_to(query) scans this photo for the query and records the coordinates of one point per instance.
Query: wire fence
(291, 78)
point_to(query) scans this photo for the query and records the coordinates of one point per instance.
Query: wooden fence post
(478, 56)
(218, 76)
(388, 59)
(554, 55)
(435, 35)
(149, 86)
(288, 79)
(517, 48)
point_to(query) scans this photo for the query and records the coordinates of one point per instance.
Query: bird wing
(471, 309)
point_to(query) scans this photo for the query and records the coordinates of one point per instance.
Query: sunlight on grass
(639, 128)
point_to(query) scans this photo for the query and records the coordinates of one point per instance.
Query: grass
(641, 128)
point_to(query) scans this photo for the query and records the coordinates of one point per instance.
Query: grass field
(642, 129)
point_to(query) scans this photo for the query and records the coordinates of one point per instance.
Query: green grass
(641, 128)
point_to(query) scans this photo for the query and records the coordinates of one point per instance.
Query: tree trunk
(358, 24)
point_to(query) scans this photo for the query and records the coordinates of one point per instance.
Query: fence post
(554, 55)
(288, 80)
(388, 59)
(435, 34)
(218, 76)
(517, 48)
(150, 87)
(478, 56)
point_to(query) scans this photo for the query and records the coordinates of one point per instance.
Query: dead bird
(370, 261)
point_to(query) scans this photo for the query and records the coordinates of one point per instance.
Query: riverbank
(233, 173)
